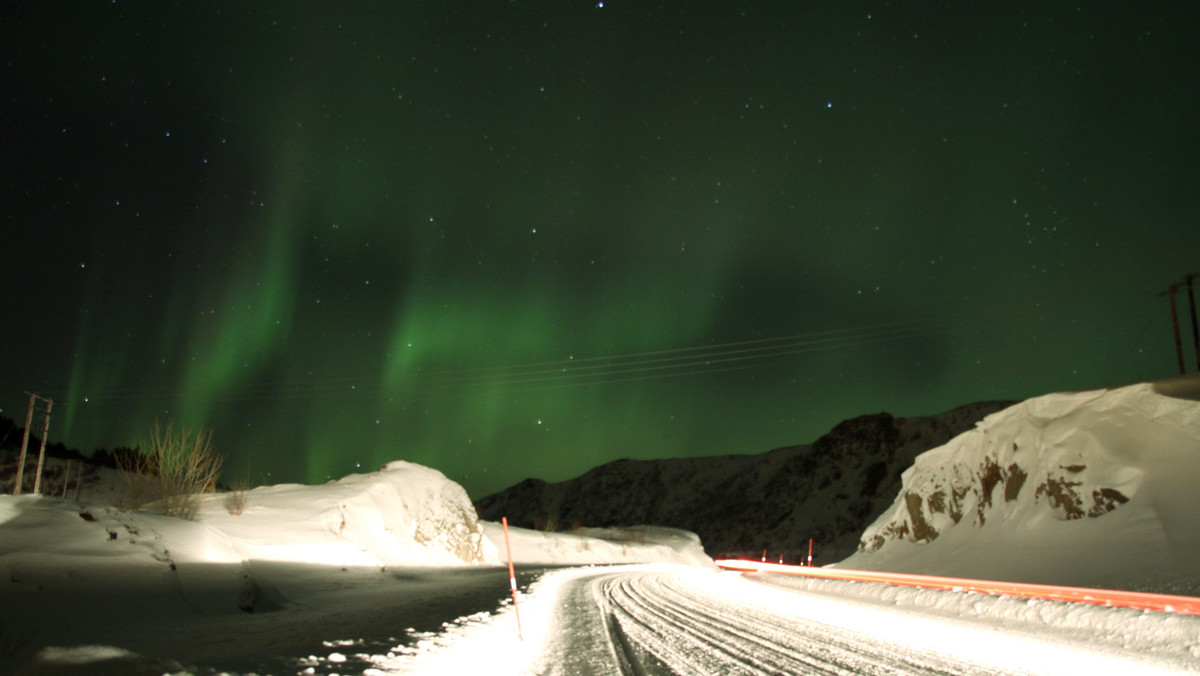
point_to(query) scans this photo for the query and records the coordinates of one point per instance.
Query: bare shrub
(138, 474)
(188, 466)
(235, 499)
(179, 465)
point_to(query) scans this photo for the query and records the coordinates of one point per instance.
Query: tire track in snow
(653, 622)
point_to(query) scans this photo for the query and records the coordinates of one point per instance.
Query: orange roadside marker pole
(512, 577)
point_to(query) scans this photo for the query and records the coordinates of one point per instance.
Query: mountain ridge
(740, 505)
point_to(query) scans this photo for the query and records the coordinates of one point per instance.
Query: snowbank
(586, 546)
(404, 514)
(1087, 488)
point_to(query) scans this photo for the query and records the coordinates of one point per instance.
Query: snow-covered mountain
(1093, 488)
(740, 505)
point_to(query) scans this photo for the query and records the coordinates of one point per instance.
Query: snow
(1030, 637)
(405, 514)
(391, 572)
(590, 546)
(1088, 489)
(296, 559)
(1009, 635)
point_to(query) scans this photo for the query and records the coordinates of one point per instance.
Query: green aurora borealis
(514, 239)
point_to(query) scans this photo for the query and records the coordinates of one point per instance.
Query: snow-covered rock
(1090, 488)
(404, 514)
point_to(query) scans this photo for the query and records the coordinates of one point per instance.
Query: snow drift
(589, 546)
(1088, 488)
(404, 514)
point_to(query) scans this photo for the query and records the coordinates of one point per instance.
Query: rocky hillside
(740, 505)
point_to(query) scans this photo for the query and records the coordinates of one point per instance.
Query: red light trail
(1168, 603)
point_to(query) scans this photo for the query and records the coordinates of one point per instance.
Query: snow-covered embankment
(1091, 488)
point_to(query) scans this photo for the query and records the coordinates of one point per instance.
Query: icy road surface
(686, 620)
(666, 623)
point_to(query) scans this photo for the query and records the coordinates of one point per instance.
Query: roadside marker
(512, 577)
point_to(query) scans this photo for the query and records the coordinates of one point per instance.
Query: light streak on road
(1188, 605)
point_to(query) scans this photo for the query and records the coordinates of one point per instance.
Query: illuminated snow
(354, 576)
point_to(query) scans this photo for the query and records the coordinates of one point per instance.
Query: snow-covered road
(663, 619)
(666, 623)
(679, 620)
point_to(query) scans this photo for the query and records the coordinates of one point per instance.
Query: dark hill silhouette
(739, 505)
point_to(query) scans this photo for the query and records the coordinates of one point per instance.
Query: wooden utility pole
(37, 480)
(33, 399)
(1175, 322)
(1195, 328)
(24, 444)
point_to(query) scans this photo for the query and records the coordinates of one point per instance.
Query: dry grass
(235, 499)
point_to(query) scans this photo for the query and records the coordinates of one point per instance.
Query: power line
(586, 371)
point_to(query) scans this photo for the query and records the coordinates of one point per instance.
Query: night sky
(512, 238)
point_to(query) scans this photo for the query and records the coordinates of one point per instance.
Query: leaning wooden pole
(1175, 322)
(37, 479)
(24, 445)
